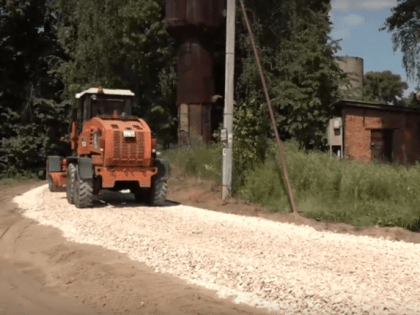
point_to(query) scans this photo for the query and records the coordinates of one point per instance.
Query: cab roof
(105, 92)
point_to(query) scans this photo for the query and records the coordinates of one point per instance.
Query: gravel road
(286, 268)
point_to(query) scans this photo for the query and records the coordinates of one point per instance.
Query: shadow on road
(122, 199)
(108, 198)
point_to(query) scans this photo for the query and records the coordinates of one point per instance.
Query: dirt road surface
(42, 272)
(283, 268)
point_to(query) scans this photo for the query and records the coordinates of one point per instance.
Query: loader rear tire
(158, 192)
(71, 178)
(83, 192)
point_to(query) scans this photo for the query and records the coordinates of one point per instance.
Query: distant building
(353, 67)
(375, 132)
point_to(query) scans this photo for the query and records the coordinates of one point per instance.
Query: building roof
(106, 92)
(373, 105)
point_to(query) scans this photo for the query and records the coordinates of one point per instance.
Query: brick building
(372, 131)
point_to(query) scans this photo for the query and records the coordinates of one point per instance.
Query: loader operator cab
(98, 102)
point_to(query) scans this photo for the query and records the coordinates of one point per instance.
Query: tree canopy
(384, 87)
(31, 110)
(404, 23)
(52, 49)
(120, 44)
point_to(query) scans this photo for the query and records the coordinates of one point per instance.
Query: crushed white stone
(279, 266)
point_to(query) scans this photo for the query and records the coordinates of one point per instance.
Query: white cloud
(345, 5)
(354, 20)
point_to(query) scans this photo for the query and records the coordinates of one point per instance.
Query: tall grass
(361, 194)
(203, 161)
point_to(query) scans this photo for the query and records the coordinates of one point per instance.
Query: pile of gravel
(263, 263)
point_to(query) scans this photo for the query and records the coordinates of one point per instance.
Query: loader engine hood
(119, 142)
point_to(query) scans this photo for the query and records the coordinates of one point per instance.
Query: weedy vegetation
(327, 189)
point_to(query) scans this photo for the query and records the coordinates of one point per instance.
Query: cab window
(106, 107)
(86, 109)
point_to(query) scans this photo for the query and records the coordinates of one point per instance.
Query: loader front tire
(154, 196)
(158, 192)
(83, 192)
(71, 179)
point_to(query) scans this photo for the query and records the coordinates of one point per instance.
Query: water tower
(195, 24)
(353, 67)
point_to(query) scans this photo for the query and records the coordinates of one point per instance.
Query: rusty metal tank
(195, 24)
(203, 16)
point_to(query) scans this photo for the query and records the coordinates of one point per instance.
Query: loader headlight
(95, 140)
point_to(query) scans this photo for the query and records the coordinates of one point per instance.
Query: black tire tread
(71, 171)
(158, 192)
(84, 194)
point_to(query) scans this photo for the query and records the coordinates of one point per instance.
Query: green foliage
(31, 114)
(362, 194)
(384, 87)
(404, 23)
(29, 144)
(121, 44)
(7, 182)
(251, 126)
(413, 102)
(301, 72)
(200, 160)
(303, 78)
(265, 185)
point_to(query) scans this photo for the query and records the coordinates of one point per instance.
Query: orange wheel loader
(111, 149)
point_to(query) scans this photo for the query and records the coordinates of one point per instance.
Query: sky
(357, 23)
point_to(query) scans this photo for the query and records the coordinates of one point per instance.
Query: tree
(120, 44)
(298, 60)
(413, 102)
(31, 112)
(384, 87)
(404, 23)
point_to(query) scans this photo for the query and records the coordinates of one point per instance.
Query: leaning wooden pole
(270, 109)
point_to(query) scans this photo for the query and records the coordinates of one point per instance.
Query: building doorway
(381, 145)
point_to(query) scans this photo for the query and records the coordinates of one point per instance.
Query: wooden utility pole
(227, 136)
(270, 110)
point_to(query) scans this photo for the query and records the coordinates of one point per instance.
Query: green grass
(200, 161)
(15, 180)
(361, 194)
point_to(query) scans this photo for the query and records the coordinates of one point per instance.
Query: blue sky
(357, 23)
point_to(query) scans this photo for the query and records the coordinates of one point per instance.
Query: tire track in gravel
(295, 269)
